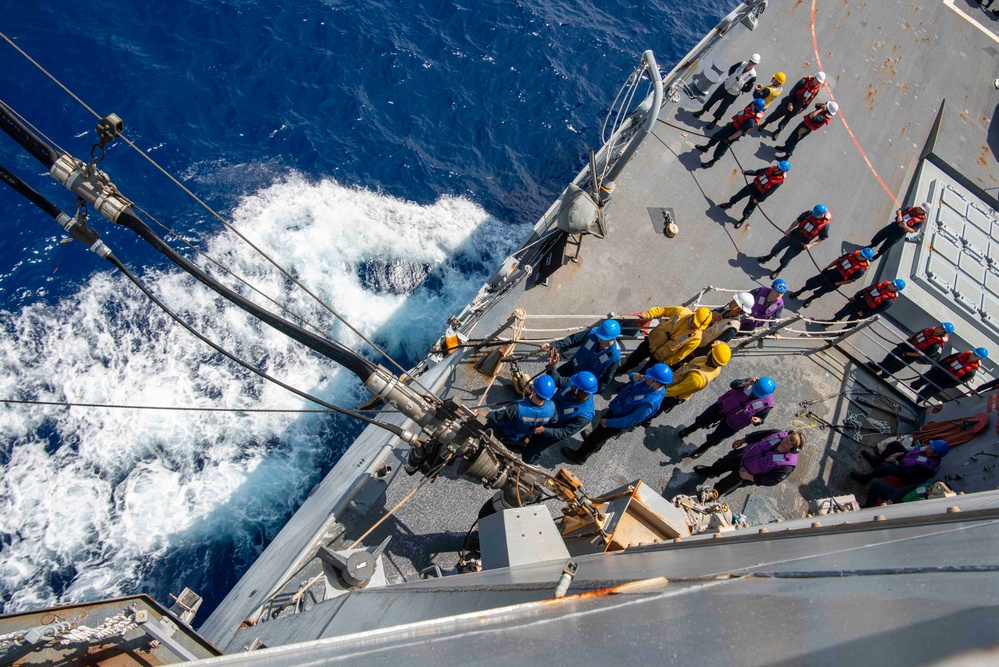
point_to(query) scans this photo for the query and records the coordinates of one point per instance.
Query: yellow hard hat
(721, 353)
(781, 77)
(702, 318)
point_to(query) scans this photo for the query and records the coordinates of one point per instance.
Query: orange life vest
(927, 338)
(811, 226)
(739, 119)
(808, 91)
(847, 265)
(960, 365)
(875, 295)
(768, 180)
(818, 120)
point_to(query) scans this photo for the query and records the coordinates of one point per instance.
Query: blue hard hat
(940, 447)
(867, 253)
(899, 284)
(948, 327)
(819, 210)
(608, 330)
(982, 352)
(584, 381)
(784, 165)
(660, 373)
(764, 386)
(544, 387)
(759, 104)
(779, 286)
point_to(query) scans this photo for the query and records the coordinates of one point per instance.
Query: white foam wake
(95, 502)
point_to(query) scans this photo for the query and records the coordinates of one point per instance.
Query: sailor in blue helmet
(747, 402)
(573, 412)
(765, 183)
(956, 369)
(870, 301)
(806, 231)
(920, 347)
(843, 270)
(741, 124)
(768, 304)
(599, 352)
(911, 467)
(635, 403)
(515, 423)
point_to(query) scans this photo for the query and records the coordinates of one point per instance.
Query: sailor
(907, 221)
(725, 322)
(634, 404)
(515, 423)
(763, 458)
(741, 79)
(599, 352)
(911, 467)
(807, 231)
(573, 412)
(959, 368)
(692, 377)
(742, 123)
(798, 99)
(768, 304)
(841, 271)
(678, 334)
(870, 300)
(919, 347)
(765, 183)
(747, 401)
(770, 93)
(821, 117)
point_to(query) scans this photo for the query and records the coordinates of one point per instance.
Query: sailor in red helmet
(841, 271)
(870, 300)
(907, 221)
(807, 231)
(741, 124)
(822, 116)
(797, 101)
(920, 347)
(765, 183)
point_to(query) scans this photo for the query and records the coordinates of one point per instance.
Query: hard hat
(608, 330)
(755, 58)
(745, 301)
(660, 373)
(948, 327)
(819, 210)
(544, 386)
(867, 253)
(721, 353)
(781, 77)
(584, 381)
(784, 165)
(779, 286)
(759, 104)
(833, 108)
(702, 318)
(899, 284)
(764, 386)
(982, 352)
(926, 206)
(821, 77)
(940, 447)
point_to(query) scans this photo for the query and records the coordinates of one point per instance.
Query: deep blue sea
(388, 153)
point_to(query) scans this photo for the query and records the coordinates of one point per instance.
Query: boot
(709, 163)
(873, 459)
(685, 432)
(726, 206)
(740, 223)
(711, 125)
(807, 302)
(764, 259)
(703, 471)
(697, 453)
(573, 455)
(774, 274)
(860, 477)
(794, 295)
(703, 149)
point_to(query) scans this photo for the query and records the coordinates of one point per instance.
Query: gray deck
(890, 65)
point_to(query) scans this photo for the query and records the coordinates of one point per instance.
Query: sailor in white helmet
(741, 79)
(822, 116)
(724, 325)
(797, 101)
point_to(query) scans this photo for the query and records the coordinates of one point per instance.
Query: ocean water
(389, 154)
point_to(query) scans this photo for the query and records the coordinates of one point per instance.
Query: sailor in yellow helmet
(692, 377)
(770, 93)
(677, 335)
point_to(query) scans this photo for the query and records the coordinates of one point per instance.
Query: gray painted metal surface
(520, 537)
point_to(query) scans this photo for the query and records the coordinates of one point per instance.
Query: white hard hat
(755, 58)
(926, 206)
(821, 77)
(745, 301)
(833, 108)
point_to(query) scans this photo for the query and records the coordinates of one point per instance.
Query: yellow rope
(799, 423)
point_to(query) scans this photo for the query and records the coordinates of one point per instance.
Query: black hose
(40, 150)
(28, 193)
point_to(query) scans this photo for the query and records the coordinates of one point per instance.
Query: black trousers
(792, 246)
(730, 463)
(858, 310)
(821, 283)
(595, 441)
(797, 134)
(889, 235)
(896, 360)
(642, 352)
(711, 416)
(755, 198)
(939, 380)
(781, 113)
(721, 97)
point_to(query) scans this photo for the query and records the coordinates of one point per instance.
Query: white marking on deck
(969, 19)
